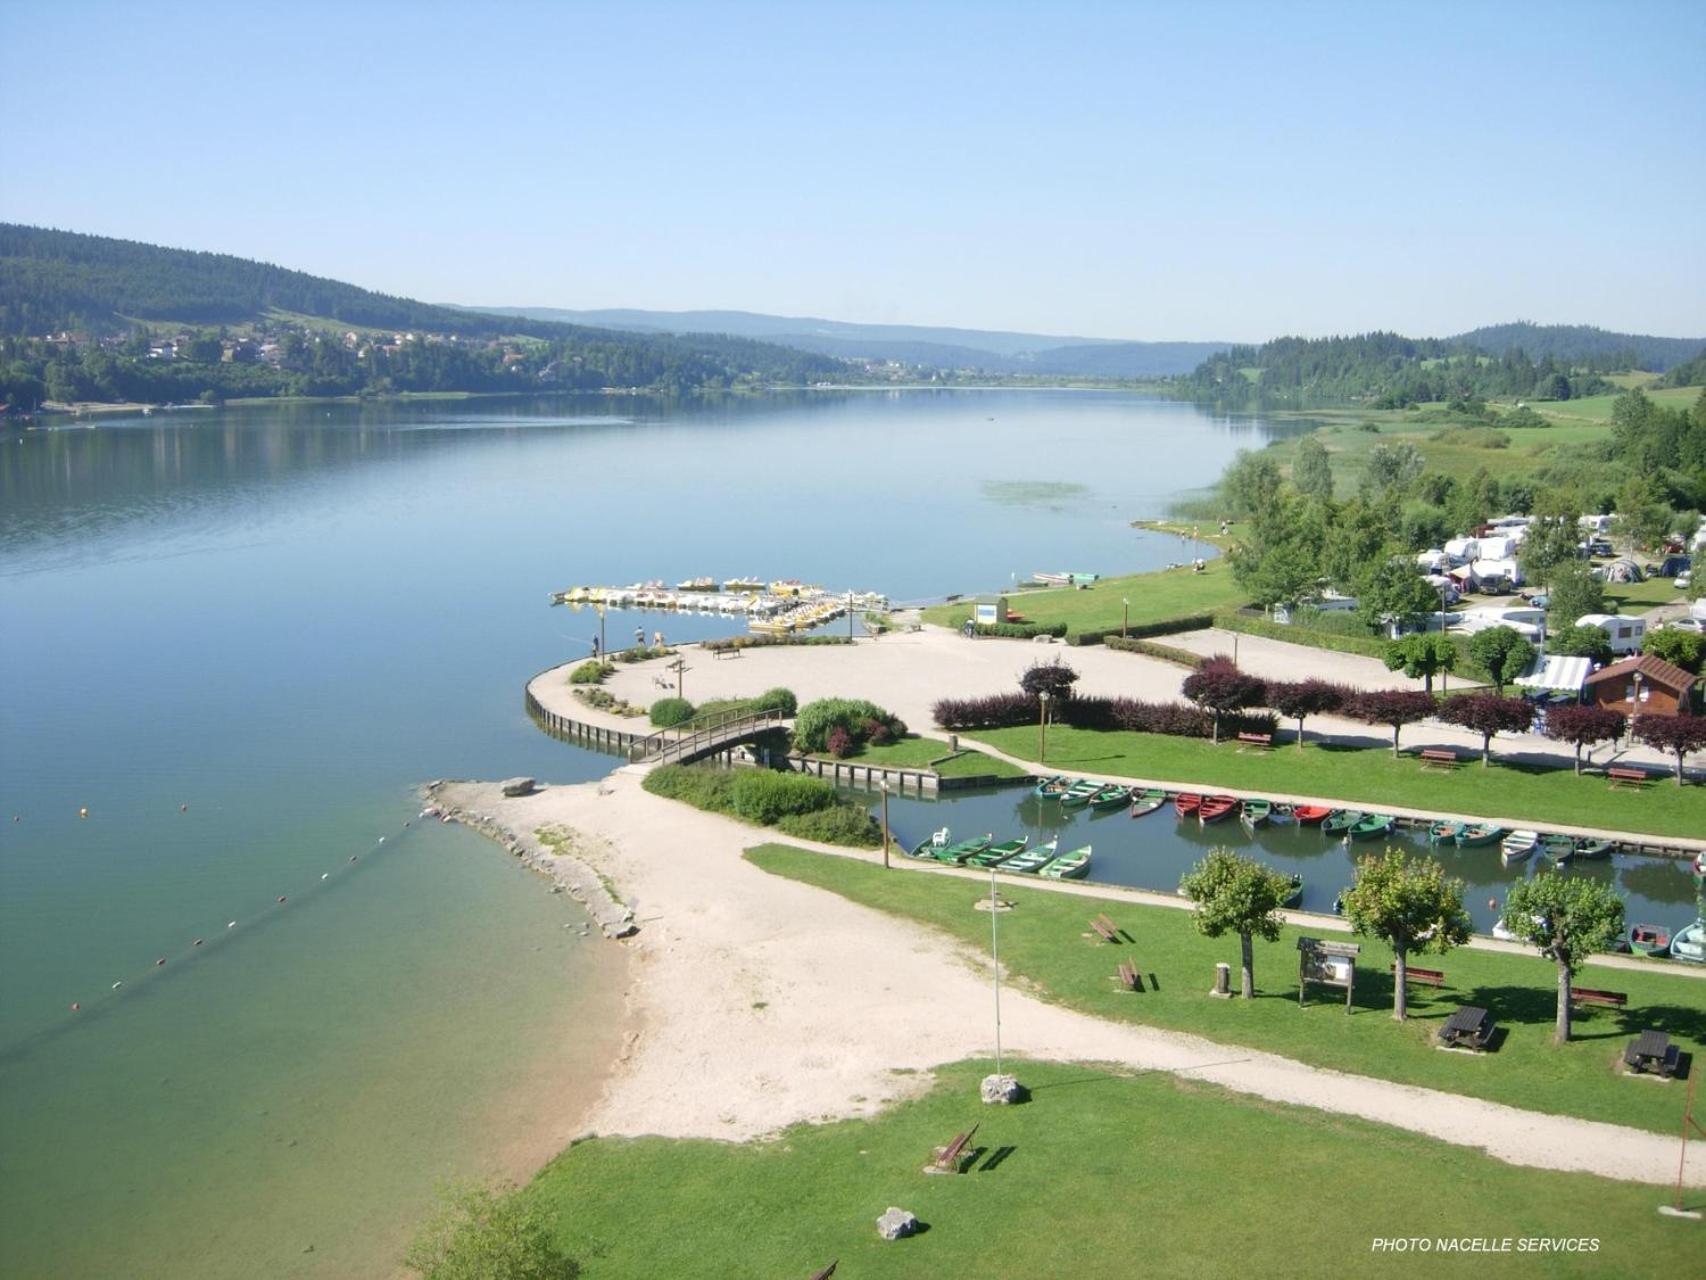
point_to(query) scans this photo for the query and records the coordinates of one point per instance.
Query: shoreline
(761, 1002)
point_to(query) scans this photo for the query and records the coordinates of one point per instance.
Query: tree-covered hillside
(234, 327)
(1582, 344)
(1382, 369)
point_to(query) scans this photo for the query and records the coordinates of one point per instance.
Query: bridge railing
(703, 733)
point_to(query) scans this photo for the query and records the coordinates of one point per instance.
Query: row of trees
(1385, 369)
(1414, 907)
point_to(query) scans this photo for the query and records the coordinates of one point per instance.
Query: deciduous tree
(1395, 707)
(1502, 652)
(1420, 655)
(1220, 688)
(1230, 894)
(1582, 642)
(1583, 726)
(1684, 648)
(1311, 470)
(1299, 699)
(1566, 918)
(481, 1234)
(1573, 593)
(1488, 715)
(1412, 904)
(1679, 735)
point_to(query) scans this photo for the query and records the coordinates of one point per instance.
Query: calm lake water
(1153, 851)
(286, 618)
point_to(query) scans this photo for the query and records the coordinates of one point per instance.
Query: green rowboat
(957, 853)
(1479, 833)
(1069, 866)
(1112, 796)
(998, 852)
(1253, 813)
(1375, 824)
(1445, 830)
(1592, 847)
(1147, 801)
(1051, 788)
(1032, 860)
(1078, 794)
(1558, 849)
(1296, 895)
(1340, 821)
(931, 845)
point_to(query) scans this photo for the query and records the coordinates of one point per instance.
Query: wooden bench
(1423, 977)
(947, 1159)
(1621, 776)
(1260, 741)
(1128, 977)
(827, 1272)
(717, 655)
(1438, 757)
(1605, 999)
(1105, 929)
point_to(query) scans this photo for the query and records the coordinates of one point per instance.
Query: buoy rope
(235, 925)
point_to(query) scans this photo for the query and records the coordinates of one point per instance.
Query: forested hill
(1580, 343)
(1387, 370)
(238, 327)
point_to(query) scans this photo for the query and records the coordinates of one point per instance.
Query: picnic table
(1468, 1025)
(1651, 1051)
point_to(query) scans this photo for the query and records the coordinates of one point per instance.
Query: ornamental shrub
(669, 712)
(765, 796)
(777, 699)
(840, 743)
(591, 671)
(697, 785)
(843, 823)
(815, 720)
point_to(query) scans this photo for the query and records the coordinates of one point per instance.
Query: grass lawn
(1098, 1174)
(1638, 597)
(1043, 940)
(1155, 597)
(913, 752)
(1370, 777)
(1598, 408)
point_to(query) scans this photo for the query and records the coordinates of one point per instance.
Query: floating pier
(782, 605)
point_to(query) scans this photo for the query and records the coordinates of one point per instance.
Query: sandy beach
(760, 1002)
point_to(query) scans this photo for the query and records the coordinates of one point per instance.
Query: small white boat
(1504, 933)
(1690, 943)
(1518, 845)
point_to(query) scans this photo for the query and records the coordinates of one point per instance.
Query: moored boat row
(1010, 855)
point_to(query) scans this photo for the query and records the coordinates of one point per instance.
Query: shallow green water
(287, 618)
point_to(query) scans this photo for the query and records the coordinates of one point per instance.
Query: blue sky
(1134, 170)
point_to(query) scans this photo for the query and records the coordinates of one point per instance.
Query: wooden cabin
(1643, 686)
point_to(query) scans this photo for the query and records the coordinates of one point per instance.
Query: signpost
(1327, 964)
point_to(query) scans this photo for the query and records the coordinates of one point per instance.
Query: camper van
(1626, 632)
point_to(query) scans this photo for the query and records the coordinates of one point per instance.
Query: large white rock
(897, 1224)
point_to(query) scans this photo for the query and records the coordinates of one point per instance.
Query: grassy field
(1598, 408)
(1638, 597)
(914, 752)
(1096, 1171)
(1155, 597)
(1045, 940)
(1369, 776)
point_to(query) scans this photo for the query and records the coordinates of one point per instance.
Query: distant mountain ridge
(941, 347)
(1580, 343)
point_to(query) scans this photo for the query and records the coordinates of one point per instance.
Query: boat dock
(781, 605)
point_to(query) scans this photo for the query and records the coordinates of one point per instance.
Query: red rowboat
(1186, 803)
(1308, 815)
(1214, 808)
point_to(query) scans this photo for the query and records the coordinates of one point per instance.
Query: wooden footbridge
(704, 736)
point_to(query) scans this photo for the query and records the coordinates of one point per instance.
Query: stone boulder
(897, 1224)
(1002, 1090)
(518, 787)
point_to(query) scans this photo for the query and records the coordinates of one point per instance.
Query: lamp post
(1042, 726)
(1634, 707)
(850, 615)
(1125, 618)
(995, 959)
(885, 786)
(1444, 675)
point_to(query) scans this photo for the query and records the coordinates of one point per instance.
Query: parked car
(1696, 625)
(1600, 547)
(1683, 580)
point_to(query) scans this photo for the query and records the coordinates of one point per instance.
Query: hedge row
(1166, 652)
(1021, 630)
(1005, 710)
(766, 641)
(1165, 627)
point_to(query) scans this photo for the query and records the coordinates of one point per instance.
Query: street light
(885, 787)
(1444, 675)
(1042, 726)
(1125, 618)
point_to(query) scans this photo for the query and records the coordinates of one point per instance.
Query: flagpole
(995, 955)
